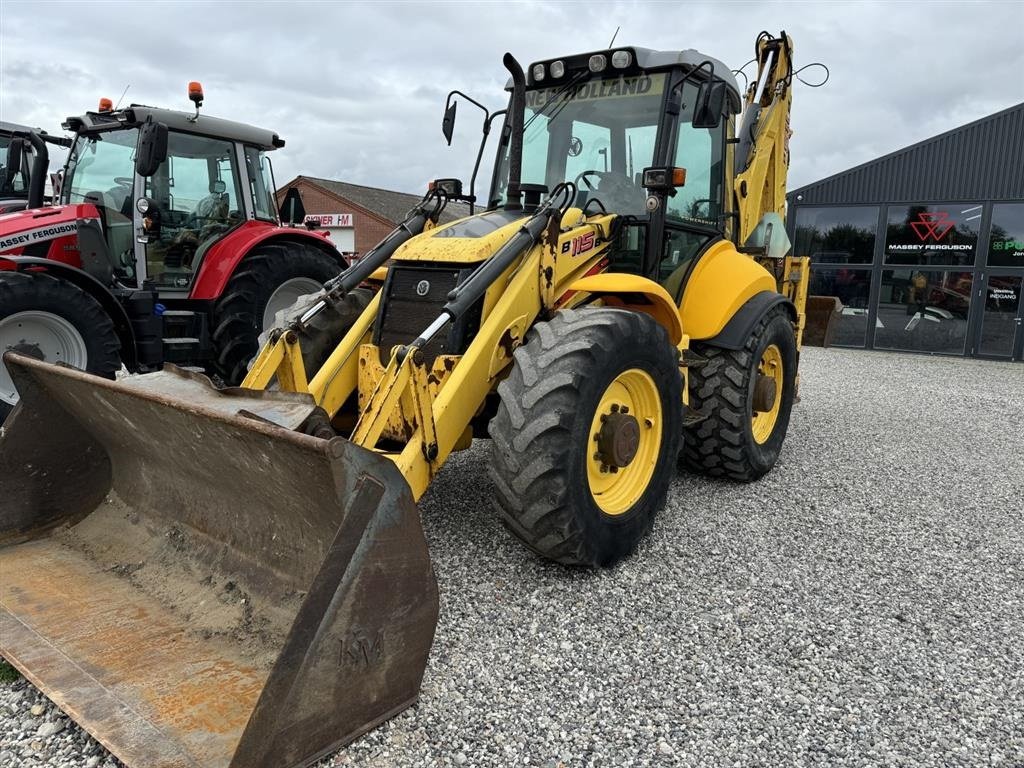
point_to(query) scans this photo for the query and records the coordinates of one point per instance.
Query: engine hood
(24, 228)
(466, 241)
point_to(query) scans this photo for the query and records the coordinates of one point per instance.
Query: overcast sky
(357, 89)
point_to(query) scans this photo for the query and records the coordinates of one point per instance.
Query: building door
(1000, 332)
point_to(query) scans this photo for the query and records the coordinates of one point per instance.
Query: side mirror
(15, 157)
(448, 123)
(292, 210)
(710, 104)
(152, 150)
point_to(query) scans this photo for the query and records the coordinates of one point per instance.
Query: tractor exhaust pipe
(516, 113)
(40, 165)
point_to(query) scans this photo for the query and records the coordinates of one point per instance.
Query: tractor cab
(24, 162)
(642, 134)
(169, 185)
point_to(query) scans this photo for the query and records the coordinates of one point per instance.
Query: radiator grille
(405, 314)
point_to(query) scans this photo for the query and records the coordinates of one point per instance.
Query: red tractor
(166, 246)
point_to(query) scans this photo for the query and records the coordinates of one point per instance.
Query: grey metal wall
(983, 160)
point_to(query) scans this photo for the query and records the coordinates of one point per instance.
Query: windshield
(101, 169)
(598, 133)
(18, 186)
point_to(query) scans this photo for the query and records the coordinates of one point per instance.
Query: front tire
(48, 318)
(742, 434)
(238, 317)
(587, 434)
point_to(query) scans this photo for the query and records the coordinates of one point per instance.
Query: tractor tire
(734, 440)
(322, 334)
(238, 314)
(53, 320)
(560, 420)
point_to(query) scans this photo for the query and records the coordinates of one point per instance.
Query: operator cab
(600, 119)
(169, 185)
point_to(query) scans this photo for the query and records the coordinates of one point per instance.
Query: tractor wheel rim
(42, 335)
(624, 442)
(286, 294)
(763, 423)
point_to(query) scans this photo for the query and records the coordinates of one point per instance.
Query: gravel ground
(861, 605)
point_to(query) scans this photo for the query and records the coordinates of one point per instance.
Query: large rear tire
(742, 434)
(238, 317)
(48, 318)
(586, 437)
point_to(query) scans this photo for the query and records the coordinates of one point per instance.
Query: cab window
(198, 193)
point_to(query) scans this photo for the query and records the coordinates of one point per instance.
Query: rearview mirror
(292, 210)
(710, 104)
(448, 123)
(14, 160)
(152, 150)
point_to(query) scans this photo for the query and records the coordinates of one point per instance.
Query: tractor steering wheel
(124, 181)
(583, 177)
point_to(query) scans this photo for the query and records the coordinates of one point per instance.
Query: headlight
(142, 205)
(597, 62)
(538, 72)
(622, 59)
(557, 68)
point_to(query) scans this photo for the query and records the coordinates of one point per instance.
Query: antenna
(614, 36)
(122, 96)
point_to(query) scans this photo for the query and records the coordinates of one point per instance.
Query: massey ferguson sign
(932, 234)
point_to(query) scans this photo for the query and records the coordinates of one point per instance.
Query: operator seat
(213, 207)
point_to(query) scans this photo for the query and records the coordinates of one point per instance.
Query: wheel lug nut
(604, 418)
(625, 409)
(614, 470)
(615, 408)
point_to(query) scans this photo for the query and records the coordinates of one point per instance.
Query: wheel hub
(29, 349)
(764, 393)
(619, 438)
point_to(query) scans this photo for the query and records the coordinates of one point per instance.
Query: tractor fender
(739, 328)
(722, 282)
(635, 293)
(83, 280)
(222, 259)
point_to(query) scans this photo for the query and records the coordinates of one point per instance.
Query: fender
(739, 328)
(222, 259)
(93, 287)
(635, 293)
(722, 281)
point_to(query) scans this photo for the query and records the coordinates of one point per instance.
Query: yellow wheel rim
(771, 368)
(624, 442)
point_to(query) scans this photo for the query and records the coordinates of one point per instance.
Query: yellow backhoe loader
(239, 577)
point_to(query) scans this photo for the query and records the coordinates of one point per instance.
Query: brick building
(357, 217)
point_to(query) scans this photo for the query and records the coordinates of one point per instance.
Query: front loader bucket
(197, 587)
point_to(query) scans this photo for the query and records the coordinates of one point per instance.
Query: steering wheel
(583, 177)
(124, 181)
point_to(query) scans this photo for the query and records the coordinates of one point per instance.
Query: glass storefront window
(923, 310)
(1006, 244)
(999, 322)
(932, 235)
(852, 287)
(836, 235)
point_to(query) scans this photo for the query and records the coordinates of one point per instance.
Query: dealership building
(924, 247)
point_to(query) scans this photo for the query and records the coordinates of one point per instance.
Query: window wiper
(579, 76)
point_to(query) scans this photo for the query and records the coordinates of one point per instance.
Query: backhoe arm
(762, 154)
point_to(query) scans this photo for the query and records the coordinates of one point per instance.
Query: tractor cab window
(598, 133)
(701, 152)
(101, 171)
(198, 194)
(261, 184)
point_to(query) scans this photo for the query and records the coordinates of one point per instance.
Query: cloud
(357, 89)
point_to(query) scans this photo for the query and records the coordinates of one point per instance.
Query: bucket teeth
(199, 587)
